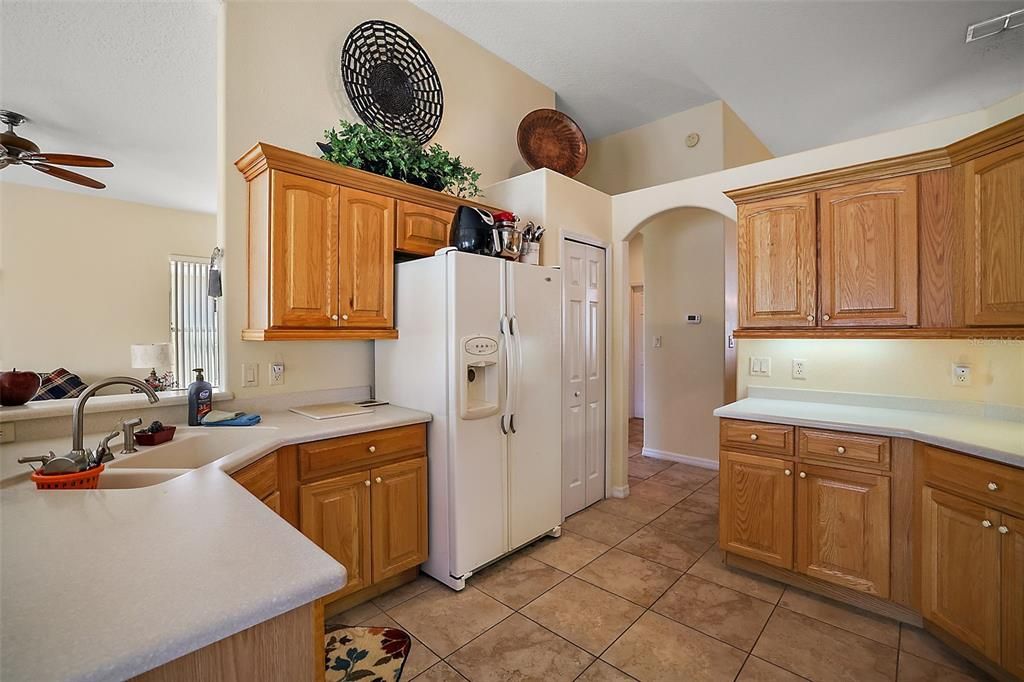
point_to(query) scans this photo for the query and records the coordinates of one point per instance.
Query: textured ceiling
(133, 82)
(800, 74)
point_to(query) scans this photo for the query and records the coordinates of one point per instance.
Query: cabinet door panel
(994, 261)
(776, 262)
(1013, 595)
(842, 527)
(399, 501)
(335, 514)
(367, 262)
(304, 243)
(756, 507)
(960, 569)
(421, 229)
(869, 253)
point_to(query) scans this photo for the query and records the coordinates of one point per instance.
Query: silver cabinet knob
(841, 450)
(986, 523)
(803, 474)
(367, 483)
(810, 318)
(1003, 529)
(576, 394)
(826, 317)
(344, 317)
(372, 448)
(378, 479)
(334, 317)
(753, 436)
(993, 486)
(788, 472)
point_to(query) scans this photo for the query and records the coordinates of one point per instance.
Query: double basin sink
(191, 448)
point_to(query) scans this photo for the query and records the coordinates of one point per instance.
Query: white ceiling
(800, 74)
(134, 82)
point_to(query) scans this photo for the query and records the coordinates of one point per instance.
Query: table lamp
(153, 355)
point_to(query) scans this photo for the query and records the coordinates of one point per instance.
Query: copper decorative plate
(550, 139)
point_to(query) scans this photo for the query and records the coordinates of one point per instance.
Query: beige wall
(683, 380)
(280, 84)
(558, 203)
(83, 277)
(740, 145)
(636, 259)
(920, 368)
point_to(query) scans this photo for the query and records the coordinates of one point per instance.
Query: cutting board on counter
(331, 410)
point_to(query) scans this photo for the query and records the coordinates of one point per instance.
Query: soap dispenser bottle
(200, 399)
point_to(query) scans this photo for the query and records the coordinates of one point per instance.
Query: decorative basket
(144, 438)
(81, 480)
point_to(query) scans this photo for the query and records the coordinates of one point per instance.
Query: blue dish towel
(243, 420)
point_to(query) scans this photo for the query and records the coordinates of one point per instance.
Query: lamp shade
(151, 355)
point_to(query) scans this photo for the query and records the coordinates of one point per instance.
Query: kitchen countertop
(106, 584)
(993, 434)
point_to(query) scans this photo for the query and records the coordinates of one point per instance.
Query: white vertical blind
(195, 325)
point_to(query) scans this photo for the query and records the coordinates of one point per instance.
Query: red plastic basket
(81, 480)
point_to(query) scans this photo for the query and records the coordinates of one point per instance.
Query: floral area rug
(366, 654)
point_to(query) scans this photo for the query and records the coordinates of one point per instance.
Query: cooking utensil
(549, 139)
(538, 233)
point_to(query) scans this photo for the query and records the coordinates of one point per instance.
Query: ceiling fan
(16, 150)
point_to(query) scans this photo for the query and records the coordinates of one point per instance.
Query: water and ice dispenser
(479, 383)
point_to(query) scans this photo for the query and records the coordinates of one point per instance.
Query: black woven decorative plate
(390, 80)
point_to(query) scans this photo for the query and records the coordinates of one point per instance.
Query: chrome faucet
(78, 416)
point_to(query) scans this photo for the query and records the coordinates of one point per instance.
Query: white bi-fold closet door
(583, 376)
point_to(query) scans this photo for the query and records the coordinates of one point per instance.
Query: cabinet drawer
(337, 454)
(847, 448)
(775, 439)
(992, 484)
(260, 477)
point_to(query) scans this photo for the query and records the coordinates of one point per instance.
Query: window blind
(195, 325)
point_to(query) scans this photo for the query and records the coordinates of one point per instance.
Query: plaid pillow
(58, 384)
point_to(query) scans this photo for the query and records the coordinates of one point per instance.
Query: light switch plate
(7, 432)
(250, 374)
(760, 367)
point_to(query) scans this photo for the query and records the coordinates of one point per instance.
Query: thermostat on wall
(693, 318)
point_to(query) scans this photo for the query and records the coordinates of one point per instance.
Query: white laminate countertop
(998, 438)
(106, 584)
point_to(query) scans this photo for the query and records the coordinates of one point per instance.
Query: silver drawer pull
(803, 474)
(1003, 529)
(993, 486)
(788, 472)
(986, 523)
(753, 436)
(344, 317)
(841, 450)
(372, 449)
(334, 317)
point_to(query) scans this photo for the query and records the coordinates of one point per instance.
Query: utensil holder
(530, 254)
(80, 480)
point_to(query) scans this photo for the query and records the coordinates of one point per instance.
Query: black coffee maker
(473, 231)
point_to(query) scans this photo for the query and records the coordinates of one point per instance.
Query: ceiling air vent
(990, 27)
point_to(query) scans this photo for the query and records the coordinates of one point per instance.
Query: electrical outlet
(799, 369)
(657, 342)
(961, 375)
(760, 367)
(276, 373)
(250, 374)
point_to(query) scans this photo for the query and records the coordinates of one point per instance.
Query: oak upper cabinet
(960, 569)
(304, 244)
(366, 277)
(994, 238)
(1012, 531)
(756, 508)
(399, 513)
(776, 265)
(335, 514)
(868, 236)
(421, 230)
(842, 528)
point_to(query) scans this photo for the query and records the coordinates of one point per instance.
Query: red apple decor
(17, 388)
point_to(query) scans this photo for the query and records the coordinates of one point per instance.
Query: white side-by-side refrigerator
(479, 347)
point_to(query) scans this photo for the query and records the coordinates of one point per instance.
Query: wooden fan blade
(66, 175)
(69, 160)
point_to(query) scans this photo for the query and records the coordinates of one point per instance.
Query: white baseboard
(620, 491)
(682, 459)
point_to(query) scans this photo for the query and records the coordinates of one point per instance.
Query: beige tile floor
(636, 589)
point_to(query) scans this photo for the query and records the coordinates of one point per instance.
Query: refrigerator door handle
(514, 326)
(506, 333)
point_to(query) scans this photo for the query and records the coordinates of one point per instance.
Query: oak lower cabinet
(756, 507)
(994, 238)
(373, 521)
(842, 528)
(1012, 594)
